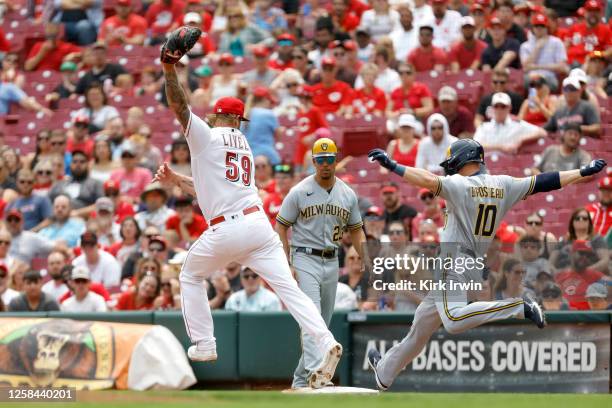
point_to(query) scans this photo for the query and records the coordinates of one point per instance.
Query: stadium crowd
(85, 229)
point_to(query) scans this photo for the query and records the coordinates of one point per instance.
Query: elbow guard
(547, 182)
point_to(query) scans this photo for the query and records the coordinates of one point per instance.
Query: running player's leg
(426, 321)
(458, 316)
(201, 261)
(309, 271)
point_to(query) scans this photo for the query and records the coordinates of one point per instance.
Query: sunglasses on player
(325, 159)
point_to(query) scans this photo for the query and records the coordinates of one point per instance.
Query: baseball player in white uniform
(239, 230)
(318, 210)
(476, 203)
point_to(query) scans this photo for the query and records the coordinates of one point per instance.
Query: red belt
(221, 218)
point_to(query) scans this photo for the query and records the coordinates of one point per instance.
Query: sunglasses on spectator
(292, 84)
(396, 232)
(44, 172)
(534, 223)
(405, 72)
(299, 57)
(249, 276)
(78, 161)
(328, 68)
(235, 16)
(499, 82)
(81, 125)
(149, 236)
(79, 281)
(88, 244)
(500, 106)
(569, 88)
(5, 243)
(427, 197)
(536, 84)
(58, 143)
(282, 168)
(581, 218)
(13, 219)
(325, 159)
(42, 138)
(156, 249)
(26, 181)
(166, 284)
(112, 193)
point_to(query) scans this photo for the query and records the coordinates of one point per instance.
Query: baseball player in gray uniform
(476, 203)
(318, 210)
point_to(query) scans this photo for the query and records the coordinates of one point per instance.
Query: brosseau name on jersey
(487, 192)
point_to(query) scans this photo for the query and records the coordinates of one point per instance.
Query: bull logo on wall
(56, 353)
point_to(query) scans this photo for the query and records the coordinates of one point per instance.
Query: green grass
(271, 399)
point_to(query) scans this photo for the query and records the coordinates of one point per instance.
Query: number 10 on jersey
(238, 168)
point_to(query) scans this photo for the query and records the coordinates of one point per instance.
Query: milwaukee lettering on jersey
(325, 209)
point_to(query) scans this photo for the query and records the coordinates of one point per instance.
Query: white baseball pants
(250, 241)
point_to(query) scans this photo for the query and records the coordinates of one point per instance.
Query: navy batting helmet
(461, 152)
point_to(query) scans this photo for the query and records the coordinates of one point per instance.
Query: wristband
(399, 169)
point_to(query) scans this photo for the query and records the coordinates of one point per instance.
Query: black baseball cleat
(373, 359)
(533, 311)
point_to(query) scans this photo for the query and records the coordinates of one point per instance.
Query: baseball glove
(178, 43)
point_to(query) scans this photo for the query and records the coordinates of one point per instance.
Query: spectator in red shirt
(132, 179)
(141, 296)
(123, 208)
(404, 148)
(187, 224)
(129, 231)
(460, 119)
(125, 27)
(369, 99)
(601, 212)
(162, 17)
(283, 178)
(465, 54)
(50, 53)
(281, 59)
(426, 57)
(343, 17)
(412, 97)
(590, 35)
(310, 118)
(575, 281)
(78, 138)
(331, 95)
(198, 6)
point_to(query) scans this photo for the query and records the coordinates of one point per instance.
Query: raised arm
(177, 100)
(413, 175)
(555, 180)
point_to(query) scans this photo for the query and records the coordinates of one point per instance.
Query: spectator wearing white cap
(597, 296)
(575, 110)
(83, 300)
(585, 93)
(447, 25)
(404, 148)
(502, 132)
(543, 53)
(205, 44)
(460, 119)
(465, 53)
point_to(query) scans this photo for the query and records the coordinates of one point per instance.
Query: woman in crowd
(97, 108)
(263, 175)
(225, 83)
(103, 164)
(180, 158)
(404, 148)
(369, 98)
(581, 228)
(43, 177)
(43, 149)
(11, 70)
(301, 63)
(510, 283)
(142, 295)
(380, 20)
(11, 161)
(411, 97)
(240, 34)
(129, 231)
(540, 105)
(287, 87)
(596, 65)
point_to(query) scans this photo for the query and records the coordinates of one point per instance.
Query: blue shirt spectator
(269, 18)
(9, 93)
(262, 128)
(64, 227)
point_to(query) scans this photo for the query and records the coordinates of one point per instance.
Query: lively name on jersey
(325, 209)
(236, 141)
(487, 192)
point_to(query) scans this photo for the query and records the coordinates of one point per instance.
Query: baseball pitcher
(317, 210)
(223, 182)
(476, 203)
